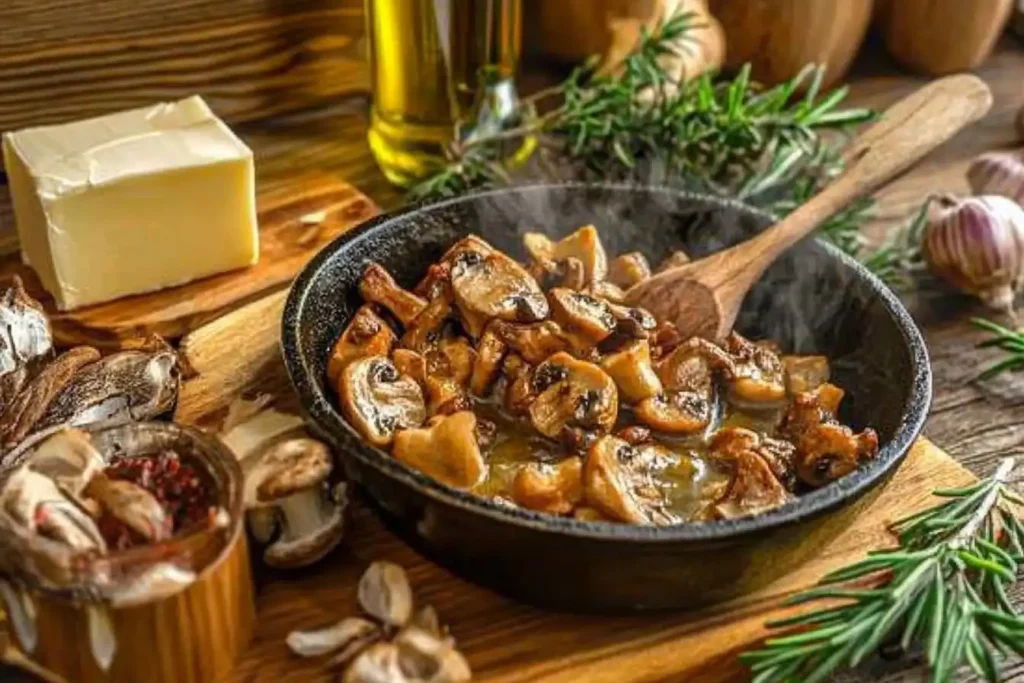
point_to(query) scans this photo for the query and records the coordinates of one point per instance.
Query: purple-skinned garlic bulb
(998, 173)
(977, 245)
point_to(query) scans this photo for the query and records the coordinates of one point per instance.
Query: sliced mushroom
(331, 638)
(729, 442)
(31, 403)
(632, 371)
(633, 323)
(367, 334)
(534, 342)
(491, 285)
(290, 481)
(574, 274)
(584, 244)
(490, 352)
(446, 449)
(603, 289)
(430, 658)
(688, 402)
(758, 376)
(378, 287)
(378, 400)
(127, 386)
(549, 488)
(586, 320)
(425, 328)
(385, 594)
(620, 481)
(825, 449)
(754, 487)
(676, 412)
(805, 373)
(629, 269)
(519, 393)
(133, 506)
(572, 393)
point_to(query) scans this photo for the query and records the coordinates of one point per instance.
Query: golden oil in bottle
(426, 60)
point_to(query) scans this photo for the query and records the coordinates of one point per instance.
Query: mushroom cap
(367, 334)
(616, 480)
(676, 412)
(572, 393)
(291, 466)
(378, 400)
(631, 369)
(589, 319)
(491, 285)
(446, 449)
(302, 551)
(584, 244)
(549, 488)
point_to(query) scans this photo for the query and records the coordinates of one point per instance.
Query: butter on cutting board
(132, 202)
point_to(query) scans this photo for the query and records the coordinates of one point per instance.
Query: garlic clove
(977, 245)
(998, 173)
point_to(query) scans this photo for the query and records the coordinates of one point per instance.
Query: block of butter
(132, 202)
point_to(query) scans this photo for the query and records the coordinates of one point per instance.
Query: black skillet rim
(813, 504)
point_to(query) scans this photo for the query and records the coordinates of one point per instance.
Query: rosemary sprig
(771, 147)
(943, 587)
(1010, 341)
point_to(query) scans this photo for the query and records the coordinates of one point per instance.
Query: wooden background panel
(251, 59)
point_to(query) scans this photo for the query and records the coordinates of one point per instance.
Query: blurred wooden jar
(939, 37)
(780, 37)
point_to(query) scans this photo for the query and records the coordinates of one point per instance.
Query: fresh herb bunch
(943, 587)
(1010, 341)
(770, 147)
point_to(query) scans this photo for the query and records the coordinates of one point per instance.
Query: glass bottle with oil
(434, 63)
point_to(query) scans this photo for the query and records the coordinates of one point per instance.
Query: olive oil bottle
(434, 63)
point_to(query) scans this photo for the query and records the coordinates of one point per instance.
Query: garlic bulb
(999, 173)
(977, 245)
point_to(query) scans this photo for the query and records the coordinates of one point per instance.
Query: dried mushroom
(446, 449)
(399, 645)
(378, 287)
(366, 335)
(24, 338)
(378, 401)
(520, 370)
(292, 507)
(572, 393)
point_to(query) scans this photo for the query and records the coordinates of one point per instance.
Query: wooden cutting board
(505, 641)
(297, 218)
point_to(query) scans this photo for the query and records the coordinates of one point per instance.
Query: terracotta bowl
(813, 300)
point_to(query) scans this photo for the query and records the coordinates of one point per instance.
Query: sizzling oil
(686, 482)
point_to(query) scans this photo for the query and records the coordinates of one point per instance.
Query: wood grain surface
(296, 218)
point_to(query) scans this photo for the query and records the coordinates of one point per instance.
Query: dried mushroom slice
(378, 400)
(385, 594)
(24, 330)
(28, 407)
(633, 372)
(629, 269)
(620, 481)
(754, 487)
(583, 245)
(587, 320)
(491, 286)
(378, 287)
(758, 375)
(572, 393)
(367, 334)
(446, 449)
(550, 488)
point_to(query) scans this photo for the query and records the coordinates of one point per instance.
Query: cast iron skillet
(814, 300)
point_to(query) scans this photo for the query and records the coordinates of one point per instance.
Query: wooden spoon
(703, 298)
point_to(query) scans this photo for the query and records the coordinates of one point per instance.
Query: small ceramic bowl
(191, 634)
(813, 300)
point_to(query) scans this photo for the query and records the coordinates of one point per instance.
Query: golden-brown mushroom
(602, 289)
(445, 449)
(587, 320)
(633, 323)
(377, 400)
(489, 285)
(534, 342)
(754, 487)
(676, 258)
(572, 393)
(366, 335)
(758, 376)
(620, 481)
(629, 269)
(728, 442)
(584, 245)
(805, 373)
(676, 412)
(425, 328)
(550, 488)
(378, 287)
(631, 369)
(519, 393)
(490, 352)
(687, 375)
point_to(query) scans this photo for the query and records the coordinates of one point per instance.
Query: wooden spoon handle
(906, 132)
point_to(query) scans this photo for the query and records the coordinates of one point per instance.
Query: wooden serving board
(503, 640)
(296, 220)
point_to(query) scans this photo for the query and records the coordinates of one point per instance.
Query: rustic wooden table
(976, 423)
